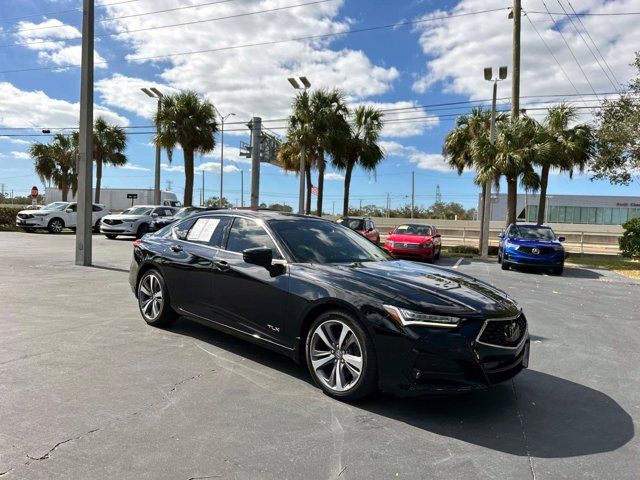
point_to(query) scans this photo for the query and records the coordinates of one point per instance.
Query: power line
(589, 14)
(594, 43)
(588, 46)
(193, 22)
(271, 42)
(59, 12)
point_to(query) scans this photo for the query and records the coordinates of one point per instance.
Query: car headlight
(404, 316)
(515, 246)
(558, 248)
(425, 244)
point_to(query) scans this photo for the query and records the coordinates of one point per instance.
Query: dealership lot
(89, 391)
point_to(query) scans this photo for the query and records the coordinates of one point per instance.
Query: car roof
(530, 225)
(264, 214)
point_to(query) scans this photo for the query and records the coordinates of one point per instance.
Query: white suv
(56, 216)
(134, 221)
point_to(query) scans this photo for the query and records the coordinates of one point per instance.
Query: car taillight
(137, 242)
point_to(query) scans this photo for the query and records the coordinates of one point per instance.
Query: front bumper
(30, 222)
(430, 360)
(549, 260)
(121, 229)
(411, 253)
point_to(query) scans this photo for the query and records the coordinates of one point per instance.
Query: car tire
(437, 256)
(558, 270)
(29, 230)
(110, 236)
(505, 265)
(153, 300)
(142, 230)
(96, 227)
(355, 363)
(55, 225)
(499, 258)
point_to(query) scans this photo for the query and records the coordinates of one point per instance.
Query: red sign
(34, 192)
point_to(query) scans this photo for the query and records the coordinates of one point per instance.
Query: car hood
(533, 242)
(37, 212)
(426, 287)
(120, 216)
(403, 238)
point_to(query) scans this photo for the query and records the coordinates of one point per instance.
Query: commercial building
(578, 209)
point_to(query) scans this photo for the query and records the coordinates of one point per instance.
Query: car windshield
(137, 211)
(56, 206)
(186, 211)
(414, 229)
(532, 233)
(313, 241)
(352, 223)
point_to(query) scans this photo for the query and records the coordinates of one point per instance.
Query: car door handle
(175, 248)
(222, 266)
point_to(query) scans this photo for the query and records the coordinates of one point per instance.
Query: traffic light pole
(256, 130)
(84, 224)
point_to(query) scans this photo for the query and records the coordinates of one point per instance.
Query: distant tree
(109, 144)
(187, 121)
(281, 207)
(215, 202)
(618, 136)
(56, 162)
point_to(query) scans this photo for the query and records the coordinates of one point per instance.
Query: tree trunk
(347, 187)
(321, 167)
(481, 215)
(98, 179)
(64, 188)
(512, 199)
(188, 177)
(307, 208)
(544, 181)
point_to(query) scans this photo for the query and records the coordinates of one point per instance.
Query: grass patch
(628, 268)
(458, 252)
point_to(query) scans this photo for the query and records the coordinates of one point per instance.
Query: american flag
(314, 190)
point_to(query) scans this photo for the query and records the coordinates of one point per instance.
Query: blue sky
(437, 60)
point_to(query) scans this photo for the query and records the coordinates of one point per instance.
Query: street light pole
(222, 120)
(302, 172)
(153, 92)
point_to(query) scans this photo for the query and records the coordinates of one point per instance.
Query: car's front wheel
(340, 356)
(55, 225)
(142, 230)
(153, 300)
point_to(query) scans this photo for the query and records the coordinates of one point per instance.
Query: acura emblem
(535, 251)
(511, 332)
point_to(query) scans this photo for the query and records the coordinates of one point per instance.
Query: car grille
(410, 246)
(25, 215)
(504, 333)
(109, 221)
(541, 250)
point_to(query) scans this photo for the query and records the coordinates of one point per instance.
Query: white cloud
(418, 118)
(133, 166)
(423, 160)
(49, 38)
(16, 141)
(172, 168)
(459, 48)
(206, 166)
(44, 111)
(20, 155)
(333, 176)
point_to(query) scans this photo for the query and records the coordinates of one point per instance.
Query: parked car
(364, 226)
(134, 221)
(56, 216)
(119, 199)
(531, 246)
(161, 222)
(323, 295)
(414, 241)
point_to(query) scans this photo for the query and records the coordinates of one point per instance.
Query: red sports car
(414, 242)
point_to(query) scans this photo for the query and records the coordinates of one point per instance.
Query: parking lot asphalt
(88, 390)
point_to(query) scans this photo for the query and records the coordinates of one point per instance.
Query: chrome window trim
(502, 319)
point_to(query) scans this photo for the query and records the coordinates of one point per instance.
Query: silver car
(134, 221)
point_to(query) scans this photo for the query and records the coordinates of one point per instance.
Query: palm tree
(109, 143)
(567, 148)
(56, 162)
(519, 146)
(361, 148)
(185, 119)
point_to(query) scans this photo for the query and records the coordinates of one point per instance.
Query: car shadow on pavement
(536, 414)
(569, 272)
(560, 418)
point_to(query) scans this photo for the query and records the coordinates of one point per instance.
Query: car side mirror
(391, 231)
(501, 235)
(154, 215)
(261, 256)
(561, 239)
(68, 210)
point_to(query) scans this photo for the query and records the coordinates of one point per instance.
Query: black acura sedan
(326, 296)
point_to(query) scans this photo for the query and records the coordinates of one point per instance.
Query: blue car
(531, 246)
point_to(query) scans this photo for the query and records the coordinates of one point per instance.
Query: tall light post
(222, 120)
(153, 92)
(305, 86)
(486, 201)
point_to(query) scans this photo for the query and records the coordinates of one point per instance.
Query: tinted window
(531, 233)
(73, 207)
(96, 208)
(246, 233)
(352, 223)
(314, 241)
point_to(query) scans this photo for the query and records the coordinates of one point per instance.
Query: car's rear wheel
(340, 356)
(505, 265)
(55, 225)
(96, 227)
(153, 300)
(110, 236)
(142, 230)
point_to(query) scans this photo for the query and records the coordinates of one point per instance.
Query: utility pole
(222, 120)
(169, 184)
(388, 206)
(256, 130)
(85, 160)
(203, 190)
(515, 78)
(302, 172)
(242, 188)
(333, 210)
(413, 193)
(153, 92)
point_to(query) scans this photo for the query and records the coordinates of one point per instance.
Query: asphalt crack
(194, 377)
(524, 432)
(52, 449)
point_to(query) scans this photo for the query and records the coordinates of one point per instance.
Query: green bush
(463, 249)
(8, 217)
(630, 240)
